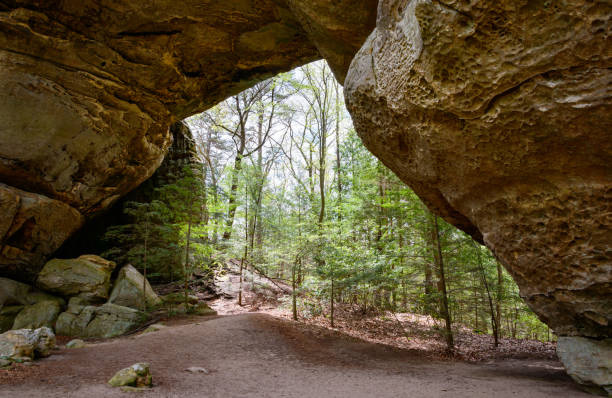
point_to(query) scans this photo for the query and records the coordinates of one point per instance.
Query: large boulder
(8, 313)
(87, 276)
(128, 290)
(588, 361)
(108, 320)
(13, 292)
(36, 296)
(17, 293)
(32, 225)
(22, 306)
(43, 313)
(27, 343)
(497, 114)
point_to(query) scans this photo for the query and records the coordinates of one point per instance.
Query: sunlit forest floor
(400, 330)
(259, 355)
(256, 350)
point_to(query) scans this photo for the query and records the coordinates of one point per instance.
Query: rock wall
(498, 115)
(89, 239)
(90, 88)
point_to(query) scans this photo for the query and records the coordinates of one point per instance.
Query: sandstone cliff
(496, 113)
(91, 87)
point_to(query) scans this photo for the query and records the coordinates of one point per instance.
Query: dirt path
(256, 355)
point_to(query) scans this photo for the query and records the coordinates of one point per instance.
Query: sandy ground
(257, 355)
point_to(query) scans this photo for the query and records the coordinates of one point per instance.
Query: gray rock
(137, 375)
(5, 363)
(43, 313)
(36, 296)
(128, 289)
(201, 308)
(76, 305)
(108, 320)
(87, 276)
(8, 315)
(16, 296)
(153, 328)
(588, 362)
(197, 369)
(27, 344)
(179, 298)
(13, 292)
(76, 343)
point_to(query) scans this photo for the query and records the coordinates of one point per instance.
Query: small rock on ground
(76, 343)
(197, 369)
(137, 375)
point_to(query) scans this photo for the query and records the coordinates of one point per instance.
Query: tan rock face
(31, 227)
(496, 113)
(498, 116)
(90, 88)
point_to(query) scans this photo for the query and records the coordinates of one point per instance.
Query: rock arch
(496, 113)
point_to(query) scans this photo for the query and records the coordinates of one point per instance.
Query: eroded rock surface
(32, 225)
(43, 313)
(108, 320)
(498, 115)
(90, 88)
(27, 344)
(88, 276)
(588, 361)
(128, 290)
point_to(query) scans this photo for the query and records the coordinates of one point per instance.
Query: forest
(280, 182)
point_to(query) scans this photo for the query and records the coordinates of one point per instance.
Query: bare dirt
(257, 355)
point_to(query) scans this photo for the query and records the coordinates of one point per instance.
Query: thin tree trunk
(144, 273)
(332, 302)
(293, 291)
(246, 244)
(232, 205)
(494, 321)
(186, 266)
(338, 163)
(500, 292)
(322, 155)
(440, 261)
(429, 288)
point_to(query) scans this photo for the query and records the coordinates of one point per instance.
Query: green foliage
(150, 231)
(156, 240)
(374, 238)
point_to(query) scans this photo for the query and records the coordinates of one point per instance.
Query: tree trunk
(494, 321)
(338, 163)
(232, 205)
(440, 262)
(144, 270)
(246, 244)
(186, 267)
(293, 291)
(500, 293)
(332, 302)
